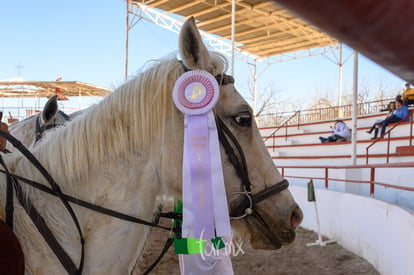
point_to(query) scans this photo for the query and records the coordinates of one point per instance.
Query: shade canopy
(379, 29)
(262, 28)
(47, 88)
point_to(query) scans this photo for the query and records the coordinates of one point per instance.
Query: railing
(388, 135)
(319, 114)
(371, 181)
(11, 114)
(284, 124)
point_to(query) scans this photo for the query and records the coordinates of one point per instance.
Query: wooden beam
(212, 9)
(184, 6)
(272, 52)
(293, 41)
(274, 37)
(213, 20)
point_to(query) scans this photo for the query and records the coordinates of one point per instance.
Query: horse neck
(128, 185)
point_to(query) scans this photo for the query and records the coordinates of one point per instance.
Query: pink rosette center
(196, 92)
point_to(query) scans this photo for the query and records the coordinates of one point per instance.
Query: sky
(84, 40)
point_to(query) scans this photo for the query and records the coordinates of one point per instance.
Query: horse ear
(192, 49)
(50, 109)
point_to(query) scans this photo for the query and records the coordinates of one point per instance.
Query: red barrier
(382, 30)
(372, 180)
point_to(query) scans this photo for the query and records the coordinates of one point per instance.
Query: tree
(268, 101)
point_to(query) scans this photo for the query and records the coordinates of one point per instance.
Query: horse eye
(244, 119)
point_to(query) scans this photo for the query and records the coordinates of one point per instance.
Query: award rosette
(205, 210)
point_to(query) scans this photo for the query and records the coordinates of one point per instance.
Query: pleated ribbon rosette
(205, 210)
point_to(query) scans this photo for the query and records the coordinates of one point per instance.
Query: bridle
(229, 142)
(40, 129)
(237, 158)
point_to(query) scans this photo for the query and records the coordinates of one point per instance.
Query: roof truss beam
(257, 26)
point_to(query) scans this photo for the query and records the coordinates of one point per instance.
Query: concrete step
(405, 150)
(277, 153)
(283, 142)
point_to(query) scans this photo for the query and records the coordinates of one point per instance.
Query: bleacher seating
(301, 145)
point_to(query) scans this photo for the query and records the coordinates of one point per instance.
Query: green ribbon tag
(218, 243)
(191, 245)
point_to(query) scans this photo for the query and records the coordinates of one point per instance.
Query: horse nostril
(296, 217)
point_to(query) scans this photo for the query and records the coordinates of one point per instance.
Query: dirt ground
(296, 258)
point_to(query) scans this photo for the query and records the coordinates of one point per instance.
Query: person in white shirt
(340, 132)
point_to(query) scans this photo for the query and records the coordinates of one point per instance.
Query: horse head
(273, 218)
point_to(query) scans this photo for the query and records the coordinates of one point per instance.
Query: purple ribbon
(201, 187)
(205, 210)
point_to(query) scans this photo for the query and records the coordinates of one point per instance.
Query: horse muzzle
(268, 233)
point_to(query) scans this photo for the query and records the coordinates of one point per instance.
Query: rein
(34, 215)
(13, 180)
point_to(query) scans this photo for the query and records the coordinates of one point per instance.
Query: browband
(222, 79)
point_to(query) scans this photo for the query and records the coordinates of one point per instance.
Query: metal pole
(354, 110)
(319, 241)
(372, 179)
(126, 38)
(411, 129)
(340, 113)
(233, 26)
(254, 87)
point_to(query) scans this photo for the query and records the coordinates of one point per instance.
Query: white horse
(32, 128)
(127, 151)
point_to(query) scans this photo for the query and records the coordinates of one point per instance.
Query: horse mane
(130, 119)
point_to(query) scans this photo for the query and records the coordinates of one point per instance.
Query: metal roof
(45, 88)
(262, 28)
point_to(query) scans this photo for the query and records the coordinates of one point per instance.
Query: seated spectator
(340, 132)
(408, 95)
(400, 112)
(391, 109)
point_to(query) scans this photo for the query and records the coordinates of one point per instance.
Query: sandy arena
(296, 258)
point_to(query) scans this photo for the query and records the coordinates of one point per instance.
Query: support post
(354, 110)
(372, 179)
(312, 198)
(254, 87)
(126, 38)
(233, 31)
(340, 64)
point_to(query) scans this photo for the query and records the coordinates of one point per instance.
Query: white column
(340, 114)
(126, 38)
(255, 87)
(354, 110)
(233, 31)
